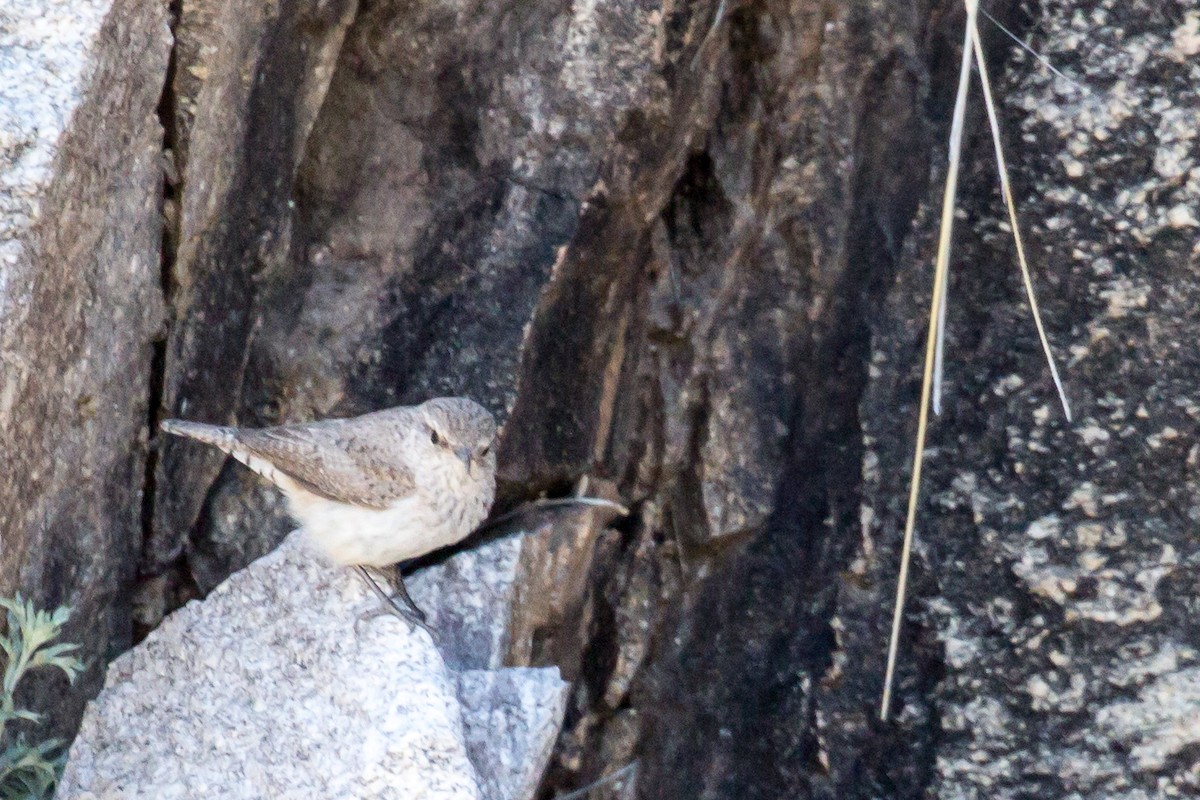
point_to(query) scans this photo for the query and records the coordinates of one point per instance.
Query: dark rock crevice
(247, 86)
(711, 239)
(214, 304)
(166, 112)
(766, 617)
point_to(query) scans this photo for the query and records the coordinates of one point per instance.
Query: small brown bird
(375, 490)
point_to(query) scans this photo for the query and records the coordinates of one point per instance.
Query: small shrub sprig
(30, 771)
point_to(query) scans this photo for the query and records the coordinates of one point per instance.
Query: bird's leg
(417, 620)
(402, 592)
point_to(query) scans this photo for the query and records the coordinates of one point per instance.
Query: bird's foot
(417, 620)
(397, 581)
(416, 617)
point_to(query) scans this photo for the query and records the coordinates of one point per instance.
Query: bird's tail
(216, 435)
(226, 440)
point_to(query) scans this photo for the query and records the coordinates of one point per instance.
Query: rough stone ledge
(285, 682)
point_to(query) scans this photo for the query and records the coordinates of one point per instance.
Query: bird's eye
(433, 437)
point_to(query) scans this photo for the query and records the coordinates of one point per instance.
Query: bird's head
(462, 427)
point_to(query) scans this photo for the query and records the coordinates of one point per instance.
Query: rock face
(248, 82)
(297, 687)
(80, 304)
(1049, 650)
(684, 252)
(1052, 648)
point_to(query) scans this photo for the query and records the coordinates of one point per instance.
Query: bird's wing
(337, 462)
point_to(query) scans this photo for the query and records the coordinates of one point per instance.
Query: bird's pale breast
(444, 508)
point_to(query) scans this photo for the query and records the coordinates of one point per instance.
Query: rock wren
(375, 490)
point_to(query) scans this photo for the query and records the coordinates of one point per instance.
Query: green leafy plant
(30, 771)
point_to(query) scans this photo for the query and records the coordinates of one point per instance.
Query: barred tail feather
(216, 435)
(226, 440)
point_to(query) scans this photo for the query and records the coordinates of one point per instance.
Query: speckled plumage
(377, 489)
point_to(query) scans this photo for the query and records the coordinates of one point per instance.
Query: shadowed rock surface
(247, 83)
(686, 250)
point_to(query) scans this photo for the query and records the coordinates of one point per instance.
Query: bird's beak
(465, 454)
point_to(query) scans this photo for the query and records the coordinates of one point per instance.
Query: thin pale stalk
(1044, 61)
(940, 345)
(955, 152)
(940, 271)
(1058, 73)
(558, 502)
(1006, 190)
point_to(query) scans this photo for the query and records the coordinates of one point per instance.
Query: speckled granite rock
(285, 682)
(516, 600)
(468, 599)
(80, 306)
(511, 718)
